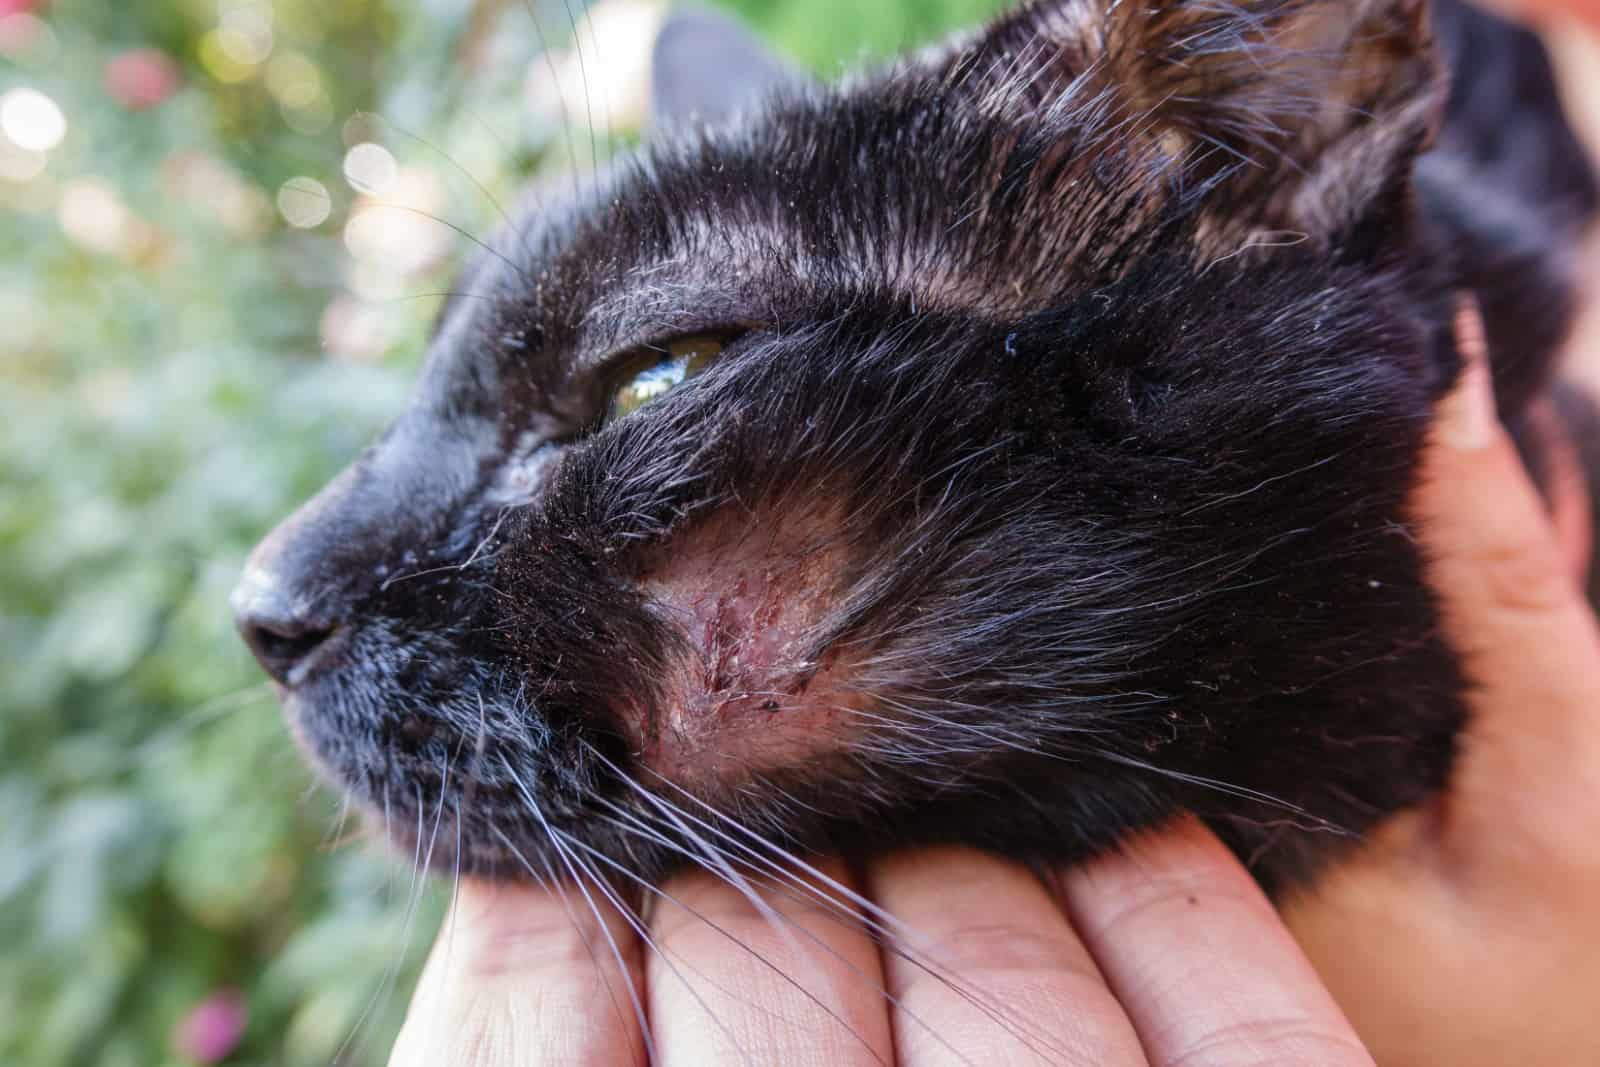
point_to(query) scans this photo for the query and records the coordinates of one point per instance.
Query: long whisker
(583, 75)
(336, 833)
(711, 857)
(461, 231)
(388, 835)
(455, 871)
(1314, 823)
(197, 718)
(413, 897)
(891, 934)
(552, 881)
(789, 979)
(782, 854)
(561, 96)
(450, 925)
(993, 735)
(568, 861)
(447, 157)
(456, 567)
(841, 913)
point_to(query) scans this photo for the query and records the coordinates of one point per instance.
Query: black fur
(1093, 353)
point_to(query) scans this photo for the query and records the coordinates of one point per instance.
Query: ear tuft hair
(1297, 115)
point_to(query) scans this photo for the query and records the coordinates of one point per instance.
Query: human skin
(1166, 953)
(1465, 933)
(1484, 907)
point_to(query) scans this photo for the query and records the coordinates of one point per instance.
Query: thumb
(1465, 933)
(1531, 751)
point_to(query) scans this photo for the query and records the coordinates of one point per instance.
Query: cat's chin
(298, 715)
(472, 795)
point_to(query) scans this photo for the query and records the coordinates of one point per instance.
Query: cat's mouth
(759, 684)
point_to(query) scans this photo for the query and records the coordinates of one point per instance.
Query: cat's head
(998, 447)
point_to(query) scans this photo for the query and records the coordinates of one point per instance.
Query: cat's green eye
(677, 360)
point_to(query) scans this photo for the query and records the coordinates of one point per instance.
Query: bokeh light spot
(309, 121)
(31, 120)
(220, 62)
(92, 215)
(245, 33)
(19, 164)
(370, 168)
(294, 80)
(304, 203)
(142, 78)
(24, 35)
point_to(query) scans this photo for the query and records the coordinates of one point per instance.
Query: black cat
(1010, 447)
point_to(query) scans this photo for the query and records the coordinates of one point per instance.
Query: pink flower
(141, 78)
(16, 7)
(212, 1029)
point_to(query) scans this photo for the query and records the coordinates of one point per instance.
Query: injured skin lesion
(754, 594)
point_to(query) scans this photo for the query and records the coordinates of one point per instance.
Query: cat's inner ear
(706, 66)
(1283, 114)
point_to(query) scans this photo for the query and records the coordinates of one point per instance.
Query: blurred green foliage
(180, 366)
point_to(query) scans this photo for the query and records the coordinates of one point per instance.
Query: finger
(1479, 512)
(996, 974)
(766, 973)
(518, 976)
(1528, 638)
(1199, 959)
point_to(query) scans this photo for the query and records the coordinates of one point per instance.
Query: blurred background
(223, 226)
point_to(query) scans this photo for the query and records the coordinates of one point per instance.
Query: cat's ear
(1302, 115)
(706, 66)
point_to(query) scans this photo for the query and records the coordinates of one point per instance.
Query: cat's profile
(1009, 447)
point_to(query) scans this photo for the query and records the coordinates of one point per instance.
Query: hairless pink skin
(748, 697)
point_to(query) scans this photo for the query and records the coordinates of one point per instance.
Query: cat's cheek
(755, 689)
(713, 743)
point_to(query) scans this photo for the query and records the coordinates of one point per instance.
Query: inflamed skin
(1008, 447)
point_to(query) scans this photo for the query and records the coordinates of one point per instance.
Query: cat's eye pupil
(683, 358)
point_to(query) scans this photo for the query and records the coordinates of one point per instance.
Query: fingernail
(1466, 418)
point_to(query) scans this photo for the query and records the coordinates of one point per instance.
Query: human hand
(1468, 932)
(1465, 933)
(1165, 953)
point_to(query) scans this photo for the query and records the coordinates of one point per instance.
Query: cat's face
(999, 449)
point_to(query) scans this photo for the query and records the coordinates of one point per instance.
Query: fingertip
(1198, 957)
(1488, 531)
(1465, 418)
(1183, 849)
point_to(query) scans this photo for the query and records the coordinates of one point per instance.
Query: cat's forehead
(893, 190)
(891, 185)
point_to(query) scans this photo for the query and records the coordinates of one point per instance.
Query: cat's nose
(283, 636)
(310, 587)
